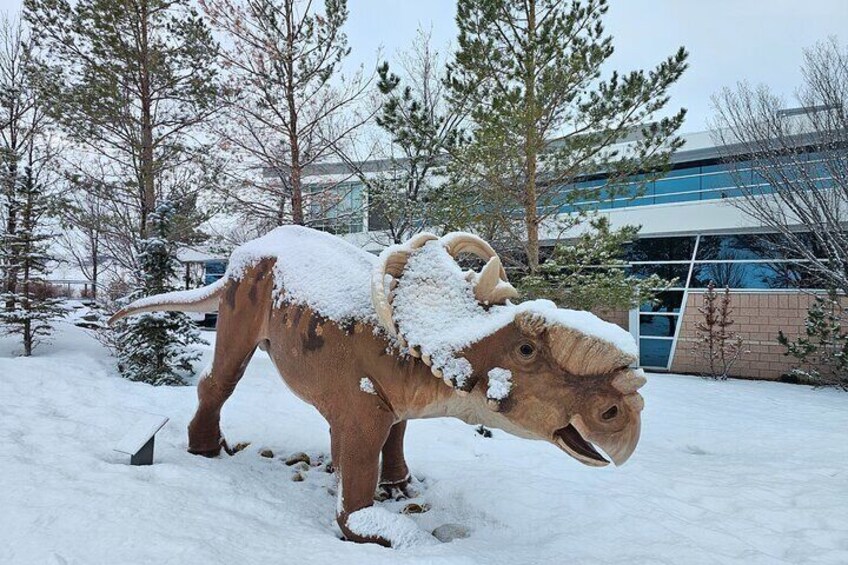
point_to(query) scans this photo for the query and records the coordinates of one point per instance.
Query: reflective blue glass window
(217, 267)
(752, 275)
(654, 352)
(214, 271)
(667, 301)
(680, 180)
(679, 272)
(661, 249)
(657, 325)
(740, 246)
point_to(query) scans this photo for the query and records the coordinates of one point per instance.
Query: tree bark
(294, 140)
(146, 178)
(531, 213)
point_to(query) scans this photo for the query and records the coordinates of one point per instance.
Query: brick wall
(758, 316)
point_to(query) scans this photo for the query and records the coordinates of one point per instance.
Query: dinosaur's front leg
(356, 455)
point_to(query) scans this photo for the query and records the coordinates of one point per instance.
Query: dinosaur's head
(561, 385)
(531, 369)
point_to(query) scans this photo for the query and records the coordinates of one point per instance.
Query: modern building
(690, 231)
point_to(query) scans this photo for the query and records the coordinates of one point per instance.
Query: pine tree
(132, 84)
(414, 193)
(155, 347)
(27, 252)
(591, 273)
(26, 159)
(530, 75)
(822, 352)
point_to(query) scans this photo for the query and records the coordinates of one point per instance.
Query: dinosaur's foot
(400, 489)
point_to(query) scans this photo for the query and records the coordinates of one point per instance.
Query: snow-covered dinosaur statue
(361, 338)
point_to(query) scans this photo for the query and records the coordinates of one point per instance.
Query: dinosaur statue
(372, 342)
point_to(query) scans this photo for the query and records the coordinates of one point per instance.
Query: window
(658, 325)
(776, 275)
(336, 209)
(667, 302)
(654, 353)
(214, 271)
(661, 249)
(666, 271)
(739, 247)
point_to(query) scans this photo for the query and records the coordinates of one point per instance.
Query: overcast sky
(729, 40)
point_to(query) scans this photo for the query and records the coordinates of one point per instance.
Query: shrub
(716, 342)
(822, 352)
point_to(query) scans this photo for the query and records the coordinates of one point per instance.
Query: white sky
(729, 40)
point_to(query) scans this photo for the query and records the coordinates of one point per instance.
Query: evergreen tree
(822, 352)
(155, 347)
(591, 273)
(529, 73)
(26, 159)
(414, 193)
(27, 251)
(131, 83)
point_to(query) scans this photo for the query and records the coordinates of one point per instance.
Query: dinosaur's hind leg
(213, 390)
(239, 332)
(394, 474)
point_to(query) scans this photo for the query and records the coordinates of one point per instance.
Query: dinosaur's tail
(203, 299)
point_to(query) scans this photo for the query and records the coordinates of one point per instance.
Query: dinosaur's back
(314, 269)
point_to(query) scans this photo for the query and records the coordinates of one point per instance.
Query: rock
(267, 453)
(297, 458)
(449, 532)
(329, 467)
(240, 446)
(483, 431)
(415, 508)
(298, 477)
(302, 466)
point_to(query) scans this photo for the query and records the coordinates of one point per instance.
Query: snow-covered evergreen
(156, 347)
(29, 307)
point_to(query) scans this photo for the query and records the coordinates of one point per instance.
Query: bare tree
(287, 105)
(792, 166)
(715, 341)
(85, 217)
(18, 129)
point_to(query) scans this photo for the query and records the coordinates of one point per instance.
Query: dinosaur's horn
(491, 285)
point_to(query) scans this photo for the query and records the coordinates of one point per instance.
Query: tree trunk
(95, 267)
(531, 213)
(147, 185)
(12, 212)
(11, 273)
(26, 306)
(294, 138)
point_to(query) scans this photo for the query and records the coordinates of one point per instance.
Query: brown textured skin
(323, 364)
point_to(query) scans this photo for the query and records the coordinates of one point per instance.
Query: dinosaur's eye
(610, 414)
(526, 350)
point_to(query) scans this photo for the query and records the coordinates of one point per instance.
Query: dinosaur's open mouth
(569, 440)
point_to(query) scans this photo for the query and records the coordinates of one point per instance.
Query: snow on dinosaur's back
(312, 268)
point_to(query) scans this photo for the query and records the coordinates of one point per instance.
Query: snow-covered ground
(731, 472)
